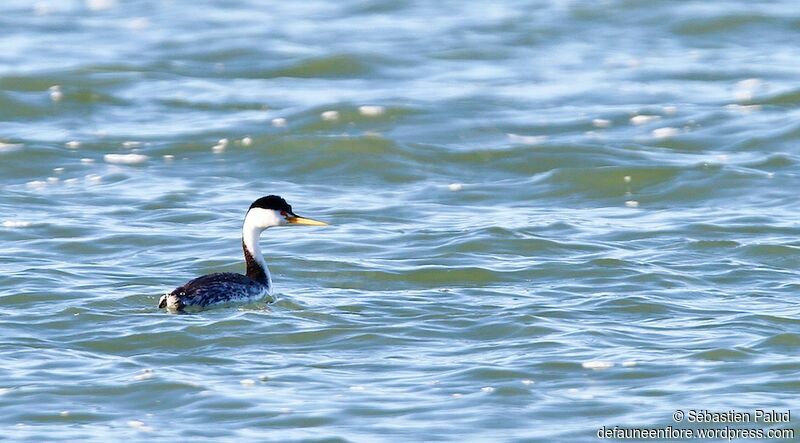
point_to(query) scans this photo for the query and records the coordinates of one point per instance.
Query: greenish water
(547, 217)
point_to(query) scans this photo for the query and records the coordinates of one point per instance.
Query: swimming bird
(227, 287)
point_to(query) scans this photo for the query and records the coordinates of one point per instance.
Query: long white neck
(256, 266)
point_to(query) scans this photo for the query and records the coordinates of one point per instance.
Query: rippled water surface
(547, 217)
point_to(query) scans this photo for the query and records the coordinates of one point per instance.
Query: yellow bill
(297, 220)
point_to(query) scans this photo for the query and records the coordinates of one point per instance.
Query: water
(547, 217)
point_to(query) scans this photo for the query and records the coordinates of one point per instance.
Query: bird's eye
(283, 213)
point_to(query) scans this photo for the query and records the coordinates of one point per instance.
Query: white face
(264, 218)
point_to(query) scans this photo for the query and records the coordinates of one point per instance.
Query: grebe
(227, 287)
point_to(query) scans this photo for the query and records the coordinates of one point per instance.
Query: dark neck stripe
(254, 269)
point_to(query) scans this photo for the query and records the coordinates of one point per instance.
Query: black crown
(272, 202)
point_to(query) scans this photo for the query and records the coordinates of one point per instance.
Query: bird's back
(213, 289)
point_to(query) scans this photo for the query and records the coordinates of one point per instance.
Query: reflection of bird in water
(231, 287)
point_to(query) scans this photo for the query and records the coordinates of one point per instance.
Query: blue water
(546, 217)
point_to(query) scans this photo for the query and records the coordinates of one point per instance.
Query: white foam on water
(138, 424)
(358, 388)
(642, 119)
(169, 157)
(131, 144)
(94, 179)
(601, 123)
(371, 111)
(594, 135)
(218, 149)
(526, 139)
(632, 204)
(487, 389)
(58, 170)
(456, 395)
(37, 184)
(626, 179)
(597, 364)
(629, 363)
(71, 181)
(279, 122)
(579, 394)
(16, 224)
(42, 8)
(145, 374)
(64, 413)
(55, 93)
(8, 147)
(100, 5)
(52, 180)
(746, 109)
(125, 159)
(743, 95)
(330, 116)
(670, 110)
(247, 141)
(665, 132)
(138, 23)
(749, 83)
(528, 381)
(455, 187)
(87, 161)
(247, 382)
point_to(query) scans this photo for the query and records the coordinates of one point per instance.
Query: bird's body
(219, 288)
(229, 287)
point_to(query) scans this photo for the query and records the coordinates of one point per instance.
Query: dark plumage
(272, 202)
(215, 288)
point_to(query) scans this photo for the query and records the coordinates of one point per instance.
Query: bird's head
(272, 211)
